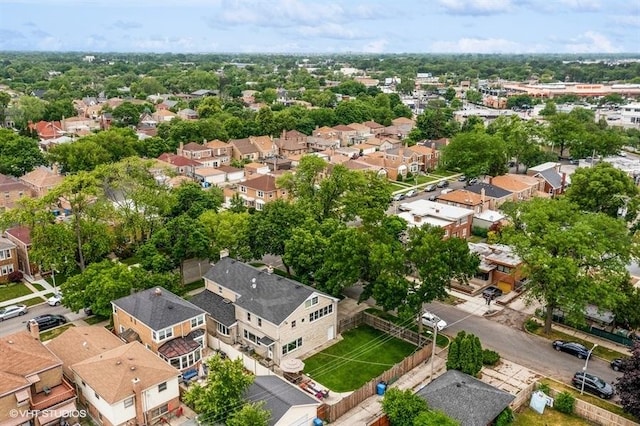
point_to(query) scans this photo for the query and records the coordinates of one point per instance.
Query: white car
(55, 300)
(12, 311)
(432, 320)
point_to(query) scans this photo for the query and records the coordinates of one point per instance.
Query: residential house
(325, 132)
(287, 403)
(469, 401)
(11, 190)
(8, 258)
(266, 147)
(395, 162)
(492, 196)
(404, 122)
(259, 190)
(165, 323)
(80, 343)
(364, 149)
(346, 134)
(163, 115)
(318, 144)
(21, 237)
(522, 187)
(79, 125)
(178, 164)
(232, 174)
(465, 199)
(275, 316)
(488, 218)
(209, 176)
(380, 144)
(350, 151)
(47, 129)
(221, 151)
(374, 128)
(188, 114)
(455, 221)
(291, 143)
(32, 388)
(243, 149)
(499, 266)
(41, 180)
(202, 93)
(127, 385)
(554, 182)
(429, 157)
(252, 169)
(195, 151)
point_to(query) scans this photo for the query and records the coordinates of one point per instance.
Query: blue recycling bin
(380, 388)
(318, 422)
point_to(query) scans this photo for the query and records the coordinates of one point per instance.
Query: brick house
(47, 129)
(165, 323)
(32, 383)
(554, 182)
(465, 199)
(260, 190)
(21, 237)
(521, 186)
(275, 316)
(41, 180)
(243, 149)
(292, 143)
(429, 157)
(11, 190)
(499, 266)
(374, 128)
(346, 134)
(221, 151)
(178, 164)
(8, 258)
(492, 196)
(455, 221)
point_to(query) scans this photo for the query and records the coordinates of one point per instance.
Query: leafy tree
(127, 114)
(18, 154)
(228, 230)
(474, 96)
(467, 355)
(571, 257)
(521, 137)
(549, 109)
(250, 414)
(5, 99)
(304, 250)
(628, 386)
(603, 189)
(221, 396)
(434, 418)
(434, 123)
(519, 101)
(627, 313)
(476, 154)
(53, 247)
(564, 131)
(450, 94)
(190, 199)
(59, 109)
(30, 109)
(402, 406)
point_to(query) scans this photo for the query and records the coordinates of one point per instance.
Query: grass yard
(34, 301)
(442, 341)
(95, 320)
(600, 351)
(11, 291)
(37, 286)
(362, 355)
(528, 417)
(50, 334)
(588, 398)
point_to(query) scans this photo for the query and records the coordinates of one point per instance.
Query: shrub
(465, 354)
(479, 232)
(565, 403)
(505, 418)
(531, 325)
(490, 357)
(15, 277)
(545, 388)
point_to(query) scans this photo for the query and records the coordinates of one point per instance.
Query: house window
(504, 269)
(243, 189)
(162, 387)
(250, 337)
(310, 302)
(115, 310)
(6, 270)
(249, 316)
(293, 324)
(320, 313)
(260, 194)
(484, 276)
(128, 402)
(259, 322)
(199, 320)
(157, 412)
(292, 346)
(5, 254)
(223, 329)
(164, 334)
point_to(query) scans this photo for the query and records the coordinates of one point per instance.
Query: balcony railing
(53, 396)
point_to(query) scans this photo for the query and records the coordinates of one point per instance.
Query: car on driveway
(491, 292)
(55, 300)
(443, 184)
(573, 348)
(12, 311)
(410, 193)
(430, 188)
(432, 320)
(592, 384)
(47, 321)
(618, 364)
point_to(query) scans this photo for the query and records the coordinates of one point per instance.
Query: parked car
(12, 311)
(472, 181)
(572, 348)
(430, 188)
(462, 178)
(431, 320)
(491, 292)
(443, 184)
(398, 197)
(433, 197)
(55, 300)
(47, 321)
(446, 191)
(410, 193)
(618, 364)
(592, 384)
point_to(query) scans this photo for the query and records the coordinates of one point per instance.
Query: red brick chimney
(137, 390)
(34, 329)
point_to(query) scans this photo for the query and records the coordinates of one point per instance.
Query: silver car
(12, 311)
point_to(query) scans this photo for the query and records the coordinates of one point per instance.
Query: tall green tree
(570, 257)
(222, 395)
(190, 199)
(520, 137)
(476, 153)
(628, 386)
(18, 154)
(403, 406)
(250, 414)
(228, 230)
(466, 355)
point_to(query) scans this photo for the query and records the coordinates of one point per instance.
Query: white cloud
(582, 5)
(375, 46)
(475, 7)
(330, 30)
(480, 45)
(590, 42)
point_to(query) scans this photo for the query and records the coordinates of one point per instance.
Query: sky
(322, 26)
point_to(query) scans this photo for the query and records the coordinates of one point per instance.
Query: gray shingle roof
(215, 305)
(278, 396)
(268, 296)
(489, 190)
(465, 398)
(552, 176)
(158, 310)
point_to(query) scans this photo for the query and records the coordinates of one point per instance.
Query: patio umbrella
(201, 372)
(292, 365)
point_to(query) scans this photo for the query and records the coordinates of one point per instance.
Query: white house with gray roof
(275, 316)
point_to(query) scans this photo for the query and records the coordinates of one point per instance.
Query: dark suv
(47, 321)
(592, 384)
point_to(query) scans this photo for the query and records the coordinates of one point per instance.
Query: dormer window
(310, 302)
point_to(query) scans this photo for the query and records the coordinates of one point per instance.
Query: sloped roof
(79, 343)
(268, 296)
(265, 183)
(216, 143)
(465, 398)
(373, 125)
(461, 196)
(42, 177)
(343, 128)
(552, 177)
(278, 395)
(177, 160)
(20, 233)
(263, 143)
(489, 190)
(6, 244)
(244, 146)
(194, 146)
(158, 308)
(111, 373)
(220, 309)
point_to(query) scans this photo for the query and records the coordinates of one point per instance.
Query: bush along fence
(383, 325)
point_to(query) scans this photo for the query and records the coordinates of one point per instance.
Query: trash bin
(382, 386)
(317, 422)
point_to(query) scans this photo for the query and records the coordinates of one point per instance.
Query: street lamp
(433, 349)
(584, 369)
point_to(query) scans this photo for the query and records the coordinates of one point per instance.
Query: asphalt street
(13, 325)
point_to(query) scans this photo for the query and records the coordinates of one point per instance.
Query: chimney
(224, 253)
(482, 196)
(284, 134)
(54, 168)
(564, 181)
(269, 269)
(34, 329)
(157, 291)
(137, 390)
(180, 148)
(417, 218)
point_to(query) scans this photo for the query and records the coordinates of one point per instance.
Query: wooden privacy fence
(383, 325)
(596, 414)
(332, 412)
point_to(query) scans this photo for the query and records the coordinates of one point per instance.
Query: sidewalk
(476, 305)
(48, 289)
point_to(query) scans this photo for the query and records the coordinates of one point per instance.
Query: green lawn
(34, 301)
(37, 286)
(95, 320)
(600, 351)
(528, 417)
(50, 334)
(598, 402)
(362, 355)
(442, 341)
(11, 291)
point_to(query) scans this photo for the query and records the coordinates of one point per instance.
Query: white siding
(116, 414)
(153, 398)
(302, 415)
